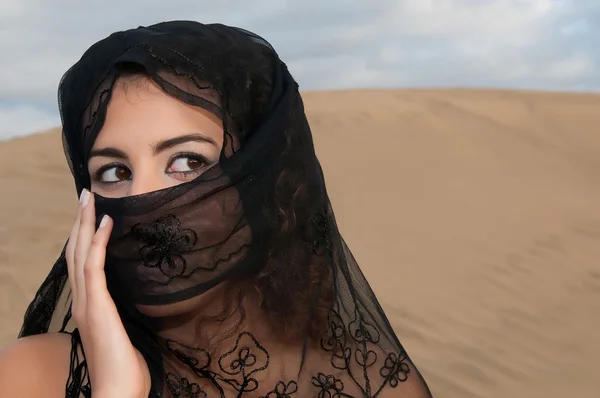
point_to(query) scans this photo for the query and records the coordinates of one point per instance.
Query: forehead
(140, 112)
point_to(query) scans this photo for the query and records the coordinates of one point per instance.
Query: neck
(214, 315)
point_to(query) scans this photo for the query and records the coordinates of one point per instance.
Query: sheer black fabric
(255, 234)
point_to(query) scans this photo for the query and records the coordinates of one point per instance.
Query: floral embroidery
(283, 390)
(181, 387)
(362, 331)
(335, 336)
(331, 387)
(165, 242)
(197, 359)
(335, 341)
(247, 358)
(395, 369)
(321, 240)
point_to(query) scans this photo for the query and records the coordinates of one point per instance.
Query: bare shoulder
(35, 366)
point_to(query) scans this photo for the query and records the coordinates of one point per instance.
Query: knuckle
(88, 270)
(96, 246)
(77, 314)
(76, 258)
(69, 259)
(69, 250)
(97, 240)
(92, 301)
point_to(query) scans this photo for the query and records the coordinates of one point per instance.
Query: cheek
(120, 191)
(136, 186)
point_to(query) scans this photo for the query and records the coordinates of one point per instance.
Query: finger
(84, 240)
(86, 230)
(99, 306)
(95, 279)
(70, 249)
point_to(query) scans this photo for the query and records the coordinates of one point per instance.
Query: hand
(115, 367)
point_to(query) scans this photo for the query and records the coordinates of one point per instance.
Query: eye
(186, 163)
(113, 173)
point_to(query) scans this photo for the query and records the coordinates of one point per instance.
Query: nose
(144, 182)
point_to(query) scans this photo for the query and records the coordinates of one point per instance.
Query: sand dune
(478, 225)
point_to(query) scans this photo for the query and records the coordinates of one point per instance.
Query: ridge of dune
(473, 214)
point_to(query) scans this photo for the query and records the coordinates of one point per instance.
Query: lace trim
(78, 383)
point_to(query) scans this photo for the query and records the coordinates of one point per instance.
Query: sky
(327, 44)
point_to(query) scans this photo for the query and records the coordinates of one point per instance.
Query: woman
(206, 261)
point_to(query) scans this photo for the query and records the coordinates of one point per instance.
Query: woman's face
(150, 141)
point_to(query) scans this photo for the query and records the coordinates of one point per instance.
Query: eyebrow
(157, 148)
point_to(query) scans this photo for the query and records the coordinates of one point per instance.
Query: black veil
(255, 233)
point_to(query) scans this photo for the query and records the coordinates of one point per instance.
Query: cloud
(531, 44)
(19, 120)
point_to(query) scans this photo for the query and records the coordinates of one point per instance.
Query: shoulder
(36, 366)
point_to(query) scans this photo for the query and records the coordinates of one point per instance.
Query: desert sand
(475, 215)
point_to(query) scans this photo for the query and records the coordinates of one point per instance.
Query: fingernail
(104, 221)
(84, 198)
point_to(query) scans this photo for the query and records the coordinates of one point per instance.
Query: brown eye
(193, 163)
(184, 164)
(115, 174)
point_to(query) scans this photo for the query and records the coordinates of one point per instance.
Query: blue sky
(328, 44)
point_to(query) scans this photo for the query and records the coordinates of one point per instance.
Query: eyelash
(97, 174)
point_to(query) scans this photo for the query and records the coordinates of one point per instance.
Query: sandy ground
(475, 215)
